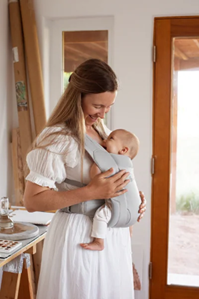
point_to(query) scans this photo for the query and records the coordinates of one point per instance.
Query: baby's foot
(97, 244)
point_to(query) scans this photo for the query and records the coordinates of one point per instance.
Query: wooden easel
(22, 15)
(18, 285)
(21, 285)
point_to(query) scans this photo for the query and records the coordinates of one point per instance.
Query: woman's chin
(90, 121)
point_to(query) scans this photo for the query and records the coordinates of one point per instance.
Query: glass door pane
(183, 248)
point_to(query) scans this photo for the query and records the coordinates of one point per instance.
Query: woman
(67, 270)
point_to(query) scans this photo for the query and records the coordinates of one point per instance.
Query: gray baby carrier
(124, 207)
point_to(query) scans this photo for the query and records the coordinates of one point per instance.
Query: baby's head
(122, 142)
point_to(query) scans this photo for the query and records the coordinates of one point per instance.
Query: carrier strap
(95, 150)
(98, 153)
(124, 207)
(74, 183)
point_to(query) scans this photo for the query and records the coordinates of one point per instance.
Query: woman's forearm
(38, 198)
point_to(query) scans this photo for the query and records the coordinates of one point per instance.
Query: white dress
(68, 271)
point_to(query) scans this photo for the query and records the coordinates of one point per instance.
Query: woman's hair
(92, 76)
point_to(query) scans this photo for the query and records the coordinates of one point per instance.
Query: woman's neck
(93, 134)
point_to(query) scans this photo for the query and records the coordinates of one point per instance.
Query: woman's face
(96, 105)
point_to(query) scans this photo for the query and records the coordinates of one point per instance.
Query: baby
(119, 142)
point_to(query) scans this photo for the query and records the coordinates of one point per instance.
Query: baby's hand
(94, 170)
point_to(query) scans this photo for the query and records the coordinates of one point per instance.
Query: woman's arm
(38, 198)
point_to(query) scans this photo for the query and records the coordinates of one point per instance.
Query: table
(22, 285)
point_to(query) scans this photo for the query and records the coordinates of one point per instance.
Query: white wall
(132, 61)
(8, 114)
(133, 36)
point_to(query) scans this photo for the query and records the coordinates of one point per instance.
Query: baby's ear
(124, 151)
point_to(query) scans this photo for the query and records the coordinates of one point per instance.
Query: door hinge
(150, 270)
(154, 53)
(152, 165)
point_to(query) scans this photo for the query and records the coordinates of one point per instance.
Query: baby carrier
(124, 207)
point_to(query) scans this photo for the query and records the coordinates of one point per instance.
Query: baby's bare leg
(96, 244)
(99, 228)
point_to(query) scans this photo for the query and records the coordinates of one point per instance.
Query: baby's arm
(94, 170)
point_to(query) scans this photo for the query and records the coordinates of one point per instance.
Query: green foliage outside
(188, 203)
(66, 77)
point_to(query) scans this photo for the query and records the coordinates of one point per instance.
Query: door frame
(164, 30)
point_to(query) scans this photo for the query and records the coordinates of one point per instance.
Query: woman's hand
(104, 186)
(142, 208)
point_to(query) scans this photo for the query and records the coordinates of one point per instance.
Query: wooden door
(175, 40)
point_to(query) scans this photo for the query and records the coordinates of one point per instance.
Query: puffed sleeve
(49, 161)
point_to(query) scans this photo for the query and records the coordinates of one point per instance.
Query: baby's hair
(131, 141)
